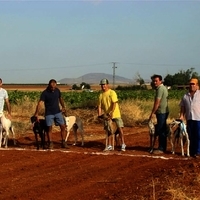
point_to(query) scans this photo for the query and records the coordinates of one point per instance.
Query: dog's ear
(33, 119)
(179, 120)
(101, 116)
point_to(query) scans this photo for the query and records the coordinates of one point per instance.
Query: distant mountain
(94, 78)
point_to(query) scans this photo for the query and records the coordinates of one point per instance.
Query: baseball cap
(194, 80)
(104, 81)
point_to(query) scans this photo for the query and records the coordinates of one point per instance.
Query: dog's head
(105, 117)
(33, 119)
(174, 125)
(151, 127)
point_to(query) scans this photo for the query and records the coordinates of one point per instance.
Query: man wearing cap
(190, 110)
(108, 103)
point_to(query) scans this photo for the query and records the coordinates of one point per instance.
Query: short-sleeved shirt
(105, 102)
(162, 94)
(3, 96)
(51, 101)
(191, 105)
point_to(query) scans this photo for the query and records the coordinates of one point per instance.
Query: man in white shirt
(190, 110)
(4, 99)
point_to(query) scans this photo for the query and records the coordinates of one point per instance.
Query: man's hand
(9, 116)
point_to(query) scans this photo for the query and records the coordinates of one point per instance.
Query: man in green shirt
(161, 110)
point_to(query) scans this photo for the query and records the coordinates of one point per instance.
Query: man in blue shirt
(51, 97)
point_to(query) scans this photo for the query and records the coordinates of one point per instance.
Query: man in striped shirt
(190, 110)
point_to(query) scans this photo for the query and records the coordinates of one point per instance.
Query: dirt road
(89, 173)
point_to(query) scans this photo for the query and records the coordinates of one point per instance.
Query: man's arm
(38, 108)
(113, 108)
(155, 107)
(182, 112)
(99, 110)
(62, 105)
(8, 106)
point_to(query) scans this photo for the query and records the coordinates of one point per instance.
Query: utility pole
(114, 67)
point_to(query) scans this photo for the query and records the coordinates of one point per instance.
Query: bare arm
(38, 108)
(62, 104)
(182, 112)
(8, 106)
(99, 110)
(113, 108)
(155, 107)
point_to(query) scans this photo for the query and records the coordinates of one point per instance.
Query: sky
(41, 40)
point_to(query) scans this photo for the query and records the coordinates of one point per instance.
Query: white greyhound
(6, 127)
(75, 123)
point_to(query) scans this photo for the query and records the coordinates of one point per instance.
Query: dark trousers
(193, 128)
(162, 130)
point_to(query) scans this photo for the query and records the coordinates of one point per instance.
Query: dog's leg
(151, 144)
(48, 138)
(75, 134)
(173, 142)
(184, 130)
(82, 137)
(1, 133)
(106, 144)
(36, 139)
(43, 139)
(13, 133)
(6, 139)
(67, 135)
(113, 141)
(116, 139)
(182, 150)
(188, 144)
(82, 134)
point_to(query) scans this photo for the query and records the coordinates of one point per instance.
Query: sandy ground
(89, 173)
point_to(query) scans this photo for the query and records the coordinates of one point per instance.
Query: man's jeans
(193, 128)
(162, 131)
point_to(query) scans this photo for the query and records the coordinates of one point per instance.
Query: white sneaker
(123, 148)
(108, 148)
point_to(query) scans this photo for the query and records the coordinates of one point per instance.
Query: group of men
(189, 110)
(108, 104)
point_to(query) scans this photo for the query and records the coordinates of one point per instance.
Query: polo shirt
(51, 101)
(162, 94)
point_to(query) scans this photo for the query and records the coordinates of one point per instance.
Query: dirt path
(89, 173)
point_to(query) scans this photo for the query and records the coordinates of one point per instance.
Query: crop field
(88, 172)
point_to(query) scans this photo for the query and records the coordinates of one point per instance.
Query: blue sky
(40, 40)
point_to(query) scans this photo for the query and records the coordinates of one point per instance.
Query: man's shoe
(64, 145)
(196, 156)
(51, 145)
(123, 147)
(108, 148)
(158, 151)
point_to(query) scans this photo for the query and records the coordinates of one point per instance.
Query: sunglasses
(192, 83)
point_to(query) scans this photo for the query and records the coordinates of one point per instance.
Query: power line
(45, 68)
(177, 65)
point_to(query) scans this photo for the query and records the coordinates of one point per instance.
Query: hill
(94, 78)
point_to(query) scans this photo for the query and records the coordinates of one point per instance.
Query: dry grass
(179, 191)
(134, 113)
